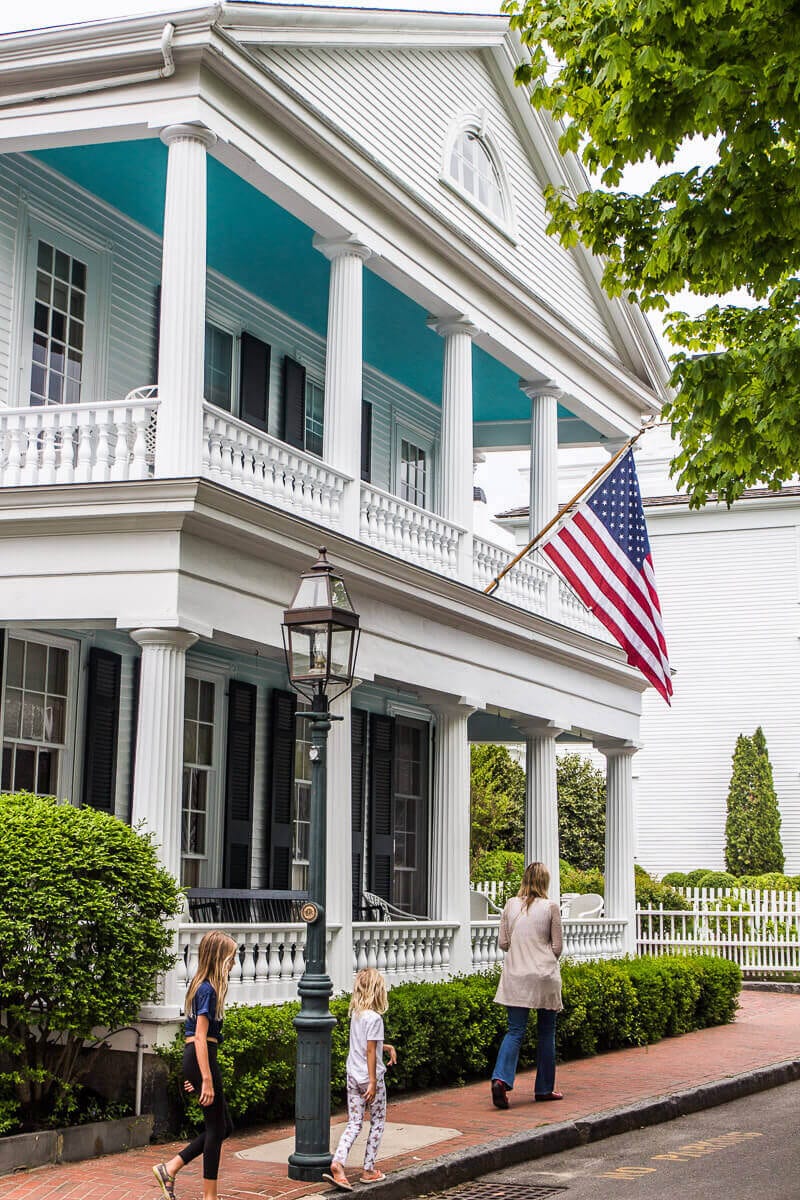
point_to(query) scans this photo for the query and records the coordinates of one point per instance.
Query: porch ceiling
(281, 267)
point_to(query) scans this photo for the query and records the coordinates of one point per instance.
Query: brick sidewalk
(766, 1031)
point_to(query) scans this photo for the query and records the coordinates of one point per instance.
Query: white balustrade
(584, 939)
(270, 962)
(78, 443)
(403, 950)
(525, 584)
(576, 615)
(243, 458)
(409, 532)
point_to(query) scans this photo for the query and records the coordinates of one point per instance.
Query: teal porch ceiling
(264, 249)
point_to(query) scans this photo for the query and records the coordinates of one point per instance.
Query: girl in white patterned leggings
(366, 1086)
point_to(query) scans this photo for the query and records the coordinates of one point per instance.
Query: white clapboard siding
(729, 589)
(399, 105)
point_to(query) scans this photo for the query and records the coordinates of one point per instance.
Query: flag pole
(606, 467)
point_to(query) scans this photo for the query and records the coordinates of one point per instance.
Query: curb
(464, 1165)
(771, 986)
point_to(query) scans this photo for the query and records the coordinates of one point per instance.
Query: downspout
(98, 85)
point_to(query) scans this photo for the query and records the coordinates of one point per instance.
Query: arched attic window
(472, 165)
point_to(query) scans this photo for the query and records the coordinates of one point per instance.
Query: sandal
(165, 1181)
(344, 1185)
(375, 1179)
(551, 1096)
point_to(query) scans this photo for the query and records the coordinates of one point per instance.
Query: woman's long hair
(216, 955)
(369, 992)
(535, 884)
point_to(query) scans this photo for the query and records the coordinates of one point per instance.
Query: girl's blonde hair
(535, 884)
(216, 955)
(369, 992)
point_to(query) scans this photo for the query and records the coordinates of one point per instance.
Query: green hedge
(447, 1033)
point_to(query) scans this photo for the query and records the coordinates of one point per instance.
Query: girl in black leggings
(205, 1004)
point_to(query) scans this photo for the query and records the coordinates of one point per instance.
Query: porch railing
(78, 443)
(241, 457)
(403, 950)
(584, 939)
(409, 532)
(271, 959)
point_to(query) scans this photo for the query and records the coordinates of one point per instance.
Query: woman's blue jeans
(506, 1066)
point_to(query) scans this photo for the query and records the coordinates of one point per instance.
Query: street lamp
(320, 638)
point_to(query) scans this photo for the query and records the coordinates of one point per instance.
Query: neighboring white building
(269, 276)
(729, 583)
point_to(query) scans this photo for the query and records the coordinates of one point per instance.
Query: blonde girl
(366, 1086)
(204, 1007)
(530, 933)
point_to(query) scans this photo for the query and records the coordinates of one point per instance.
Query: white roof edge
(364, 20)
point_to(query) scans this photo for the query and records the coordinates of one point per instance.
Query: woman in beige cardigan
(530, 933)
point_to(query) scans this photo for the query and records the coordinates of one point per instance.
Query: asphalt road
(741, 1151)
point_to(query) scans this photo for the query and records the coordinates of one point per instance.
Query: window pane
(46, 773)
(205, 739)
(33, 716)
(12, 720)
(62, 265)
(189, 742)
(191, 698)
(54, 720)
(24, 779)
(57, 671)
(16, 660)
(206, 706)
(8, 762)
(45, 258)
(218, 367)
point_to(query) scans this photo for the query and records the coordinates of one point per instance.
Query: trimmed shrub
(717, 879)
(753, 825)
(772, 880)
(575, 880)
(675, 879)
(447, 1033)
(693, 877)
(83, 899)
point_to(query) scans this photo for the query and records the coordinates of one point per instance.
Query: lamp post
(320, 637)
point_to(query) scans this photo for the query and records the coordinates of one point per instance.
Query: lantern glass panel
(312, 592)
(339, 596)
(308, 647)
(341, 650)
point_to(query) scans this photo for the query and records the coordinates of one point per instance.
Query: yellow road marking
(712, 1145)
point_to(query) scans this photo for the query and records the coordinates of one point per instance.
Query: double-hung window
(315, 417)
(62, 333)
(199, 777)
(36, 696)
(218, 375)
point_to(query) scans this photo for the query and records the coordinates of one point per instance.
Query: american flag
(603, 552)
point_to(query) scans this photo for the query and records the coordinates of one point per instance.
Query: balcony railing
(78, 443)
(241, 457)
(100, 443)
(584, 939)
(409, 532)
(403, 950)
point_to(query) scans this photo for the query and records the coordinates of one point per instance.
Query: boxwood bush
(448, 1033)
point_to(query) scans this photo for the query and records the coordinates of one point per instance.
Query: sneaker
(499, 1097)
(165, 1181)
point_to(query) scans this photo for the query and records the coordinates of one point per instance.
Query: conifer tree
(753, 827)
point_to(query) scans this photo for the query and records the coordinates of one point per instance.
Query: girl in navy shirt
(205, 1005)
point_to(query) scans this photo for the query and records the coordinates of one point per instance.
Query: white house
(729, 585)
(269, 276)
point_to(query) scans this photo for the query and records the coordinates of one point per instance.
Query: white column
(544, 469)
(181, 346)
(455, 459)
(344, 368)
(450, 824)
(541, 799)
(620, 887)
(339, 849)
(157, 782)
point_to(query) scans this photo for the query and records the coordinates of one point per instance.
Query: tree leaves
(635, 80)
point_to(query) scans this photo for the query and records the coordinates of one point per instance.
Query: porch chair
(372, 903)
(589, 904)
(481, 907)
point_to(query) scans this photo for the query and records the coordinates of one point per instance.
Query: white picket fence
(759, 930)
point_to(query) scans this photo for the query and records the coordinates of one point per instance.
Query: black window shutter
(282, 739)
(102, 729)
(358, 744)
(381, 807)
(240, 764)
(366, 441)
(137, 675)
(254, 381)
(294, 403)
